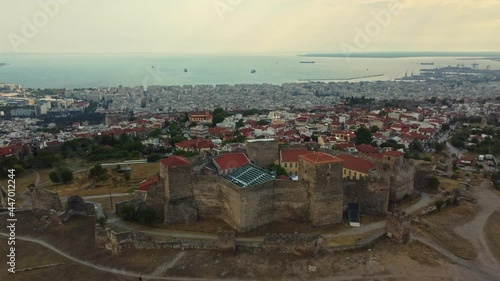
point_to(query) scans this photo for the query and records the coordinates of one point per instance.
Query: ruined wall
(302, 244)
(372, 197)
(325, 191)
(398, 227)
(263, 153)
(46, 200)
(115, 242)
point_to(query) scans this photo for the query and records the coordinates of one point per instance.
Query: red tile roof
(195, 144)
(364, 148)
(231, 161)
(375, 155)
(356, 164)
(219, 130)
(292, 155)
(320, 158)
(344, 145)
(5, 151)
(175, 161)
(147, 184)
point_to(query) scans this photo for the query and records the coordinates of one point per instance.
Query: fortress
(236, 188)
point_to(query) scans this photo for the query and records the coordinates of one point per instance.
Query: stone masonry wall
(156, 199)
(291, 201)
(178, 182)
(325, 191)
(46, 200)
(263, 153)
(372, 197)
(257, 206)
(402, 180)
(398, 227)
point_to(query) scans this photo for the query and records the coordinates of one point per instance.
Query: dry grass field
(440, 229)
(492, 234)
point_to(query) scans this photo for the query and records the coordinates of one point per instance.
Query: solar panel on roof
(249, 175)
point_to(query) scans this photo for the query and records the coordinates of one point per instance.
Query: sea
(111, 70)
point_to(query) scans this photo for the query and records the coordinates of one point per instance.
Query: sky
(247, 26)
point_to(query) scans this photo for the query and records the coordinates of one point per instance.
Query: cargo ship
(427, 63)
(307, 62)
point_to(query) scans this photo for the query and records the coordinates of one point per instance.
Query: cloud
(252, 25)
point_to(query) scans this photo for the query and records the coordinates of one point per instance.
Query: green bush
(128, 212)
(433, 183)
(146, 216)
(61, 175)
(439, 204)
(102, 221)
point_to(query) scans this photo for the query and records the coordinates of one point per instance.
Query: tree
(154, 158)
(280, 171)
(250, 112)
(98, 173)
(374, 129)
(19, 168)
(61, 175)
(433, 183)
(415, 146)
(176, 139)
(218, 116)
(127, 176)
(146, 216)
(363, 136)
(439, 146)
(155, 133)
(240, 124)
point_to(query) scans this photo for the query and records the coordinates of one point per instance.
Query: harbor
(342, 79)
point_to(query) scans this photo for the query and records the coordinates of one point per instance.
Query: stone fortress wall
(319, 197)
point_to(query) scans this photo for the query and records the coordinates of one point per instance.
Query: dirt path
(473, 231)
(103, 268)
(489, 273)
(166, 266)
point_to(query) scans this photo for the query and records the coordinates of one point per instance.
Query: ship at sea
(253, 71)
(307, 62)
(185, 70)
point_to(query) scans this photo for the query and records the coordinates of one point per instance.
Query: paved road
(100, 267)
